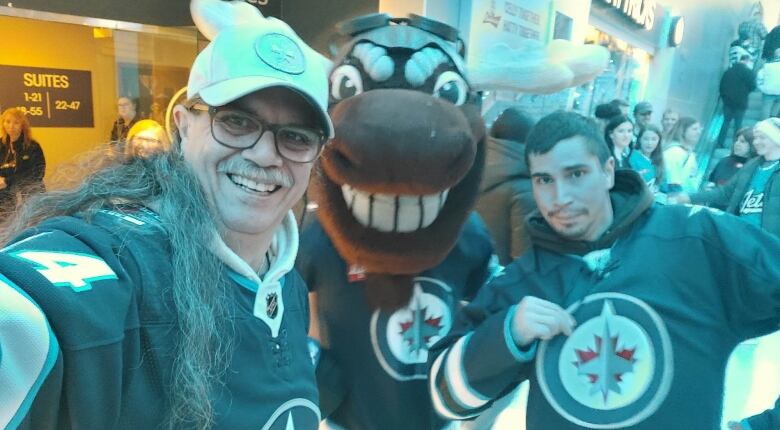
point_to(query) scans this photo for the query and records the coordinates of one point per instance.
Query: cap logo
(281, 53)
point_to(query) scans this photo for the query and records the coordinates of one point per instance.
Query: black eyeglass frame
(273, 128)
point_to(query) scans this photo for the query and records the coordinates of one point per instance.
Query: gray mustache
(267, 175)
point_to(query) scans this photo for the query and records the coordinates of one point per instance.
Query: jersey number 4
(63, 269)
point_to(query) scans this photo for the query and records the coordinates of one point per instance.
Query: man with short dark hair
(643, 115)
(736, 84)
(622, 314)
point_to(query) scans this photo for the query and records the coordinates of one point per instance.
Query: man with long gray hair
(161, 292)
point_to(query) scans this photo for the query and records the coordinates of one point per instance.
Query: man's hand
(3, 185)
(539, 319)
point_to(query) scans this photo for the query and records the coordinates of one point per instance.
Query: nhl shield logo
(401, 339)
(272, 305)
(614, 370)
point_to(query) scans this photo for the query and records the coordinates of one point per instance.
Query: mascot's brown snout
(399, 142)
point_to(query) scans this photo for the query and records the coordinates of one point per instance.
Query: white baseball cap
(251, 57)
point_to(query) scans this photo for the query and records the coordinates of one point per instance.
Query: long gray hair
(204, 340)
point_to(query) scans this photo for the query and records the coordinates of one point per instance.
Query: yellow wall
(33, 43)
(64, 46)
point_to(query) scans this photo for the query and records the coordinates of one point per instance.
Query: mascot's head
(397, 183)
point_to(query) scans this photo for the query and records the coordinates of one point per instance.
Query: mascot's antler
(211, 16)
(537, 69)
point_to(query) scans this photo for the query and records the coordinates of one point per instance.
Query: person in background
(505, 193)
(643, 115)
(647, 158)
(146, 138)
(679, 156)
(768, 80)
(771, 43)
(736, 84)
(157, 110)
(668, 120)
(753, 30)
(741, 152)
(619, 134)
(23, 164)
(738, 49)
(605, 112)
(126, 109)
(753, 194)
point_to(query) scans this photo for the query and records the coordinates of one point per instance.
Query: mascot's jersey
(657, 316)
(105, 360)
(382, 356)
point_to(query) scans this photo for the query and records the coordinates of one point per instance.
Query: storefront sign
(641, 12)
(512, 22)
(49, 97)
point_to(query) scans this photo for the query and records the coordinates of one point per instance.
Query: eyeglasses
(239, 130)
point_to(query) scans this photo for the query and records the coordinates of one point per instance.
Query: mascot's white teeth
(391, 213)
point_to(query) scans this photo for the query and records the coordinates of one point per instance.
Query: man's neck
(127, 119)
(251, 248)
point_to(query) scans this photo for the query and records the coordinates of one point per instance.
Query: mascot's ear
(211, 16)
(537, 69)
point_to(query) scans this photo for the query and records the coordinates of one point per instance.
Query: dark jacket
(30, 166)
(735, 86)
(22, 169)
(726, 168)
(120, 128)
(730, 195)
(506, 197)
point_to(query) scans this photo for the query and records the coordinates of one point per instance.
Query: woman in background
(679, 155)
(146, 137)
(741, 152)
(619, 133)
(22, 163)
(647, 158)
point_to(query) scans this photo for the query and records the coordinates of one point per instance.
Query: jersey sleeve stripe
(440, 398)
(457, 382)
(28, 352)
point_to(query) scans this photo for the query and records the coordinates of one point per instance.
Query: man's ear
(609, 172)
(181, 117)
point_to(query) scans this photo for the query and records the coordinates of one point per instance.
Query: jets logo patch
(615, 369)
(401, 339)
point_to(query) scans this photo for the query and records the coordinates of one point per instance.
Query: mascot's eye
(345, 82)
(451, 86)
